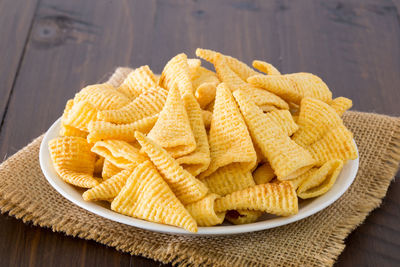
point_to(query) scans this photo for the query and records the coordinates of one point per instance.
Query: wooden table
(49, 49)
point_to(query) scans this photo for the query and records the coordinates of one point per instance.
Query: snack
(193, 147)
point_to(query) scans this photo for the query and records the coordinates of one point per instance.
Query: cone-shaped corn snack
(109, 170)
(315, 119)
(311, 85)
(207, 117)
(229, 139)
(73, 160)
(137, 82)
(321, 180)
(109, 188)
(67, 130)
(203, 211)
(337, 143)
(147, 104)
(229, 179)
(265, 67)
(341, 104)
(243, 216)
(204, 83)
(172, 130)
(119, 153)
(199, 160)
(275, 198)
(103, 130)
(263, 174)
(147, 196)
(102, 96)
(186, 187)
(287, 159)
(284, 119)
(81, 115)
(262, 98)
(227, 75)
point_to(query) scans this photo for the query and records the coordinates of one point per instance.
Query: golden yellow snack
(315, 119)
(262, 97)
(186, 187)
(229, 179)
(287, 159)
(275, 198)
(98, 165)
(240, 68)
(102, 96)
(109, 170)
(119, 76)
(172, 130)
(147, 104)
(147, 196)
(243, 216)
(267, 108)
(203, 211)
(337, 143)
(311, 85)
(67, 130)
(263, 174)
(229, 139)
(193, 64)
(341, 104)
(204, 83)
(137, 82)
(176, 73)
(265, 67)
(103, 130)
(119, 153)
(199, 160)
(284, 119)
(227, 75)
(81, 114)
(207, 117)
(109, 188)
(73, 160)
(321, 181)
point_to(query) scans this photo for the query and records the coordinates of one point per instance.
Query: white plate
(306, 208)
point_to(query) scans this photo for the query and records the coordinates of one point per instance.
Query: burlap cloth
(314, 241)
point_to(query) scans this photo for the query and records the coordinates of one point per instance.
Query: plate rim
(44, 159)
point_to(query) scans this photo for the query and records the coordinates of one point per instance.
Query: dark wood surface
(49, 49)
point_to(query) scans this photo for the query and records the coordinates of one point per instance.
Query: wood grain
(64, 45)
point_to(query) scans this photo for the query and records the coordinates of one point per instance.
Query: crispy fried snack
(240, 68)
(265, 67)
(243, 216)
(109, 188)
(203, 211)
(103, 130)
(118, 76)
(186, 187)
(263, 174)
(102, 96)
(98, 165)
(109, 170)
(67, 130)
(73, 160)
(287, 159)
(276, 198)
(311, 85)
(230, 141)
(137, 82)
(119, 153)
(172, 130)
(147, 104)
(320, 181)
(227, 75)
(337, 143)
(315, 119)
(262, 98)
(207, 117)
(199, 160)
(147, 196)
(80, 115)
(229, 179)
(341, 104)
(204, 83)
(284, 119)
(176, 73)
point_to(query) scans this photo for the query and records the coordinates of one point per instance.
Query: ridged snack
(147, 104)
(81, 114)
(265, 67)
(172, 130)
(198, 160)
(263, 174)
(315, 119)
(337, 143)
(204, 84)
(109, 170)
(243, 216)
(284, 119)
(274, 198)
(341, 104)
(98, 165)
(287, 159)
(227, 75)
(176, 73)
(229, 139)
(103, 130)
(262, 98)
(108, 189)
(203, 211)
(119, 153)
(67, 130)
(137, 82)
(207, 117)
(73, 160)
(147, 196)
(186, 187)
